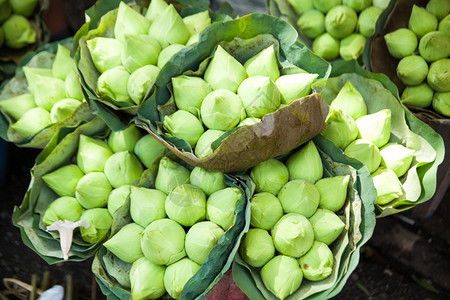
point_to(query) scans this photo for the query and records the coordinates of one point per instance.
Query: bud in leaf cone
(92, 154)
(306, 164)
(317, 263)
(169, 28)
(357, 5)
(312, 23)
(264, 63)
(375, 127)
(439, 76)
(126, 243)
(260, 96)
(441, 103)
(197, 22)
(18, 32)
(201, 238)
(249, 121)
(63, 208)
(367, 20)
(221, 205)
(186, 204)
(396, 157)
(222, 110)
(146, 205)
(326, 46)
(203, 147)
(269, 176)
(209, 181)
(341, 128)
(63, 109)
(333, 192)
(282, 276)
(257, 247)
(170, 174)
(163, 242)
(325, 5)
(299, 196)
(422, 21)
(5, 10)
(266, 210)
(412, 70)
(352, 46)
(224, 71)
(73, 87)
(434, 46)
(32, 121)
(419, 96)
(295, 86)
(387, 185)
(444, 24)
(105, 52)
(140, 81)
(401, 42)
(189, 91)
(113, 83)
(117, 198)
(439, 8)
(123, 168)
(340, 21)
(63, 64)
(327, 226)
(93, 190)
(301, 6)
(350, 101)
(155, 8)
(366, 152)
(178, 274)
(129, 21)
(293, 235)
(143, 269)
(383, 4)
(149, 150)
(124, 140)
(18, 105)
(138, 51)
(166, 54)
(100, 222)
(64, 180)
(183, 125)
(46, 90)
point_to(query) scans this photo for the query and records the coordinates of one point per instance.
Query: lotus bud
(419, 96)
(422, 21)
(438, 76)
(325, 5)
(383, 4)
(18, 32)
(221, 205)
(201, 238)
(341, 128)
(64, 208)
(18, 105)
(317, 263)
(105, 52)
(367, 20)
(124, 140)
(203, 148)
(178, 274)
(269, 176)
(126, 243)
(113, 83)
(439, 8)
(140, 82)
(209, 181)
(257, 247)
(93, 190)
(441, 103)
(46, 90)
(434, 46)
(326, 46)
(166, 54)
(222, 110)
(333, 192)
(224, 71)
(186, 204)
(92, 154)
(117, 198)
(301, 6)
(444, 24)
(65, 230)
(64, 180)
(396, 157)
(260, 96)
(366, 152)
(412, 70)
(350, 101)
(163, 242)
(23, 7)
(293, 235)
(340, 21)
(352, 46)
(312, 23)
(401, 42)
(63, 63)
(266, 210)
(63, 109)
(375, 127)
(295, 86)
(183, 125)
(32, 121)
(100, 222)
(249, 121)
(327, 226)
(146, 205)
(306, 164)
(170, 174)
(5, 10)
(123, 168)
(169, 28)
(149, 150)
(299, 196)
(155, 8)
(265, 63)
(189, 91)
(357, 5)
(129, 21)
(387, 185)
(143, 269)
(73, 87)
(138, 51)
(282, 276)
(197, 22)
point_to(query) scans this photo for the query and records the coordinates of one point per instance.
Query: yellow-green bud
(166, 54)
(295, 86)
(73, 87)
(155, 8)
(438, 77)
(325, 5)
(170, 174)
(178, 274)
(269, 176)
(221, 205)
(105, 52)
(203, 147)
(100, 222)
(209, 181)
(63, 208)
(401, 42)
(266, 210)
(396, 157)
(333, 192)
(312, 23)
(146, 205)
(419, 96)
(367, 20)
(306, 164)
(117, 198)
(375, 127)
(439, 8)
(63, 109)
(138, 51)
(257, 247)
(327, 226)
(63, 64)
(195, 23)
(201, 238)
(186, 204)
(326, 46)
(141, 270)
(422, 21)
(434, 46)
(189, 91)
(5, 10)
(18, 105)
(183, 125)
(357, 5)
(317, 263)
(301, 6)
(126, 243)
(366, 152)
(265, 63)
(32, 121)
(23, 7)
(341, 128)
(350, 101)
(299, 196)
(124, 140)
(352, 46)
(140, 81)
(387, 185)
(64, 180)
(169, 28)
(340, 21)
(113, 83)
(92, 154)
(129, 21)
(149, 150)
(260, 96)
(123, 168)
(412, 70)
(222, 110)
(93, 190)
(18, 32)
(441, 103)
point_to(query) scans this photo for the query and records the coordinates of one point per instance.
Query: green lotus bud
(113, 83)
(282, 276)
(341, 128)
(441, 103)
(117, 198)
(178, 274)
(266, 210)
(383, 4)
(100, 222)
(39, 71)
(63, 63)
(444, 24)
(367, 20)
(401, 42)
(352, 46)
(265, 63)
(201, 238)
(183, 125)
(123, 168)
(32, 121)
(18, 32)
(350, 101)
(5, 10)
(301, 6)
(422, 21)
(23, 7)
(396, 157)
(221, 205)
(439, 8)
(224, 71)
(170, 174)
(269, 176)
(163, 242)
(209, 181)
(257, 247)
(293, 235)
(312, 23)
(46, 90)
(419, 96)
(124, 140)
(375, 127)
(366, 152)
(327, 226)
(260, 96)
(18, 105)
(169, 28)
(340, 21)
(155, 8)
(126, 243)
(317, 263)
(203, 147)
(325, 5)
(333, 192)
(195, 23)
(143, 269)
(434, 46)
(299, 196)
(63, 109)
(326, 46)
(140, 82)
(295, 86)
(92, 154)
(222, 110)
(186, 204)
(306, 164)
(63, 208)
(167, 53)
(93, 190)
(149, 150)
(387, 185)
(357, 5)
(73, 86)
(189, 91)
(146, 205)
(412, 70)
(249, 121)
(438, 76)
(105, 52)
(129, 21)
(64, 180)
(138, 51)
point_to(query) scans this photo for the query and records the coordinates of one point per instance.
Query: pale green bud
(92, 154)
(197, 22)
(260, 96)
(23, 7)
(124, 140)
(383, 4)
(178, 274)
(186, 204)
(209, 181)
(73, 87)
(143, 269)
(222, 110)
(265, 63)
(32, 121)
(350, 101)
(317, 263)
(387, 185)
(63, 64)
(434, 46)
(18, 32)
(412, 70)
(444, 24)
(352, 46)
(93, 190)
(401, 42)
(301, 6)
(203, 147)
(146, 205)
(419, 96)
(441, 103)
(341, 128)
(18, 105)
(249, 121)
(422, 21)
(333, 192)
(312, 23)
(63, 109)
(140, 81)
(201, 238)
(100, 222)
(129, 21)
(189, 91)
(117, 198)
(269, 176)
(64, 180)
(326, 46)
(396, 157)
(340, 21)
(367, 20)
(113, 83)
(170, 174)
(5, 10)
(257, 247)
(327, 226)
(183, 125)
(299, 196)
(169, 28)
(306, 164)
(63, 208)
(295, 86)
(105, 52)
(265, 209)
(149, 150)
(366, 152)
(166, 54)
(357, 5)
(46, 90)
(221, 205)
(439, 8)
(123, 168)
(138, 51)
(438, 77)
(325, 5)
(155, 8)
(375, 127)
(126, 243)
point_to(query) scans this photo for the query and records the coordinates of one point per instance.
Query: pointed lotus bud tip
(64, 180)
(265, 63)
(366, 152)
(169, 28)
(18, 105)
(387, 185)
(124, 140)
(438, 77)
(126, 243)
(100, 222)
(259, 95)
(299, 196)
(306, 163)
(186, 204)
(139, 51)
(341, 128)
(129, 21)
(396, 157)
(170, 174)
(141, 81)
(367, 20)
(92, 154)
(333, 192)
(149, 150)
(375, 127)
(419, 96)
(113, 83)
(412, 70)
(350, 101)
(105, 52)
(422, 21)
(295, 86)
(146, 205)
